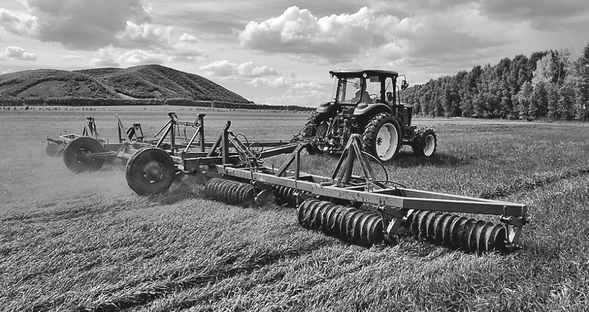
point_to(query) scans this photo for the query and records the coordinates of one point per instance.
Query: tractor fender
(325, 107)
(371, 109)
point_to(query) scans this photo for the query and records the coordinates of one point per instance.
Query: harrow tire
(382, 137)
(76, 152)
(150, 171)
(53, 149)
(425, 143)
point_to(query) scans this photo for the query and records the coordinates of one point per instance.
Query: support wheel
(77, 152)
(425, 143)
(382, 137)
(149, 171)
(53, 149)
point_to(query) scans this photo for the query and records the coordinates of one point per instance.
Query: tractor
(367, 102)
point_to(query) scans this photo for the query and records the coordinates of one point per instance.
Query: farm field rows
(86, 242)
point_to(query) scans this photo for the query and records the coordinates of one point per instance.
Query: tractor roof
(361, 72)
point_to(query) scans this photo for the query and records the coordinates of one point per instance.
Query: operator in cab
(361, 94)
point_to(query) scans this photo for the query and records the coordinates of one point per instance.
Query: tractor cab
(361, 92)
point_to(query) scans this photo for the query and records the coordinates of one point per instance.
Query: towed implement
(56, 147)
(359, 209)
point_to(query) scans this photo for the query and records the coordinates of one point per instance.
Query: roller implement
(355, 208)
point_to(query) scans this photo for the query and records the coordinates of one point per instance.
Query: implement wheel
(53, 149)
(425, 143)
(382, 137)
(76, 155)
(149, 171)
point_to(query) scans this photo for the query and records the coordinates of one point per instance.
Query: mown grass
(86, 243)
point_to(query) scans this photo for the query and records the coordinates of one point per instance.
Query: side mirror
(404, 85)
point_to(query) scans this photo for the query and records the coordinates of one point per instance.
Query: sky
(281, 52)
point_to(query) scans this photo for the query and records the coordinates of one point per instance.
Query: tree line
(80, 102)
(547, 84)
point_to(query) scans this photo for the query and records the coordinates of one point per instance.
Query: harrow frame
(234, 173)
(396, 205)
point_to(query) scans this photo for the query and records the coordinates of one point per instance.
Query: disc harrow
(351, 224)
(458, 232)
(356, 208)
(230, 192)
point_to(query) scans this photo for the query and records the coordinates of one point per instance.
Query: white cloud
(85, 24)
(225, 68)
(337, 38)
(299, 97)
(113, 57)
(19, 25)
(105, 58)
(282, 82)
(187, 38)
(138, 57)
(18, 53)
(145, 35)
(71, 57)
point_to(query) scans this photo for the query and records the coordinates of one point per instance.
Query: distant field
(86, 242)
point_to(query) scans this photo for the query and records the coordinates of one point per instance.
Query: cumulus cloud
(225, 68)
(85, 24)
(18, 53)
(105, 58)
(113, 57)
(336, 37)
(92, 25)
(19, 25)
(145, 35)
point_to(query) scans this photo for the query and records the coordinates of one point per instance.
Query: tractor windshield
(346, 88)
(372, 89)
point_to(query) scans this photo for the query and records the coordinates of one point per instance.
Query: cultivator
(365, 211)
(56, 147)
(356, 208)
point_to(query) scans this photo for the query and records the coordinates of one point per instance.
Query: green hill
(139, 82)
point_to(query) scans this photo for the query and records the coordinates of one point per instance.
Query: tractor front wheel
(382, 137)
(425, 143)
(77, 155)
(149, 171)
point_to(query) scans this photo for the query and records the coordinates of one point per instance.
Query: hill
(139, 82)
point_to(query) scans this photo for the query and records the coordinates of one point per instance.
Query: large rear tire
(382, 137)
(150, 171)
(425, 143)
(315, 127)
(76, 155)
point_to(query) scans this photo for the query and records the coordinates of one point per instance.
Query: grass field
(86, 242)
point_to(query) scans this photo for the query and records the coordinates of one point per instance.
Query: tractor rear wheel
(382, 137)
(316, 126)
(425, 143)
(77, 152)
(149, 171)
